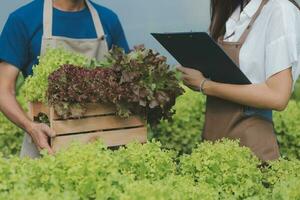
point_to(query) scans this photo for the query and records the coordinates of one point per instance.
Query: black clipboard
(199, 51)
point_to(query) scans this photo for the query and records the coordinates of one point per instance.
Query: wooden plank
(36, 108)
(51, 116)
(110, 138)
(95, 124)
(94, 109)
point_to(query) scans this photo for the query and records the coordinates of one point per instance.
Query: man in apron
(80, 26)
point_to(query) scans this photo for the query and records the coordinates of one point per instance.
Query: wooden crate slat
(110, 138)
(36, 108)
(94, 124)
(95, 109)
(113, 130)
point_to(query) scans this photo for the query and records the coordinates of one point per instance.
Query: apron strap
(96, 19)
(249, 27)
(48, 19)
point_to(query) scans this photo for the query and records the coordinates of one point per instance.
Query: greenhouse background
(140, 18)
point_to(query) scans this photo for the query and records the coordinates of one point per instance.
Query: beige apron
(93, 48)
(226, 119)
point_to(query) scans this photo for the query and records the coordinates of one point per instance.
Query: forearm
(254, 95)
(273, 94)
(11, 108)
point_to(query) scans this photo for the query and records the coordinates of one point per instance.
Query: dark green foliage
(183, 131)
(150, 82)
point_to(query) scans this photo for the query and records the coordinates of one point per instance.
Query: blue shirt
(20, 40)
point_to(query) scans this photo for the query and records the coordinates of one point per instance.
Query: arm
(11, 108)
(273, 94)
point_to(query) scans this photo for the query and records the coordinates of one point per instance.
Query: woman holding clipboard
(263, 38)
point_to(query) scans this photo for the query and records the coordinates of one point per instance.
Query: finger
(45, 145)
(182, 69)
(38, 147)
(36, 142)
(191, 86)
(185, 77)
(187, 83)
(49, 149)
(50, 132)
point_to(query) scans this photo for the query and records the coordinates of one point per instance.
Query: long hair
(221, 10)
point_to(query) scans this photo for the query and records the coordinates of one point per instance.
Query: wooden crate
(99, 122)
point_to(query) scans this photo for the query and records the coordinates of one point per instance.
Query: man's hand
(13, 111)
(40, 134)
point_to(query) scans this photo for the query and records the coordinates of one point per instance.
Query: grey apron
(92, 48)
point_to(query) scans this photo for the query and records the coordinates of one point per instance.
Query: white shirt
(273, 44)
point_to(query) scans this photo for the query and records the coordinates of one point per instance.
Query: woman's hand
(273, 94)
(191, 77)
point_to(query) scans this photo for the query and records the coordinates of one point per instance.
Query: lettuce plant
(228, 168)
(35, 87)
(137, 83)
